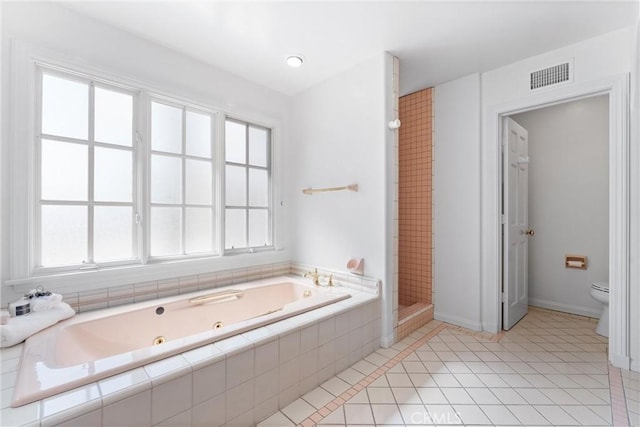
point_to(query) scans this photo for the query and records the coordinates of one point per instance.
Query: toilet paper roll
(577, 264)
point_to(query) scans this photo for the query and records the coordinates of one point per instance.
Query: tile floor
(550, 369)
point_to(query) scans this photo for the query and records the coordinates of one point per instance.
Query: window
(182, 190)
(107, 195)
(247, 185)
(85, 210)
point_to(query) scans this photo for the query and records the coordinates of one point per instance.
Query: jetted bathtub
(98, 344)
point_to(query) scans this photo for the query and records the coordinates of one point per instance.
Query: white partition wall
(456, 202)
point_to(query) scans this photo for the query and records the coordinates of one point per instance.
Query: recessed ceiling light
(294, 61)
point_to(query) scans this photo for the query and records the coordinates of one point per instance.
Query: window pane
(258, 146)
(259, 228)
(258, 187)
(198, 230)
(64, 235)
(166, 179)
(235, 229)
(235, 142)
(236, 185)
(198, 134)
(65, 107)
(199, 185)
(113, 233)
(166, 128)
(114, 117)
(166, 231)
(64, 171)
(113, 177)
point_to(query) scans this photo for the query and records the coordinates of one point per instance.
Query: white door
(515, 229)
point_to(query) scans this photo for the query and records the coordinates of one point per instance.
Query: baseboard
(620, 361)
(635, 365)
(566, 308)
(386, 342)
(465, 323)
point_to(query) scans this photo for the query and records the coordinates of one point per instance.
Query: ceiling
(435, 41)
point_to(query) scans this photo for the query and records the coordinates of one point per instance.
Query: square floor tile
(483, 396)
(457, 396)
(387, 414)
(318, 397)
(445, 380)
(499, 415)
(559, 396)
(585, 416)
(335, 417)
(533, 396)
(336, 386)
(443, 414)
(381, 395)
(556, 415)
(399, 380)
(508, 396)
(422, 380)
(358, 414)
(469, 380)
(406, 395)
(432, 396)
(492, 380)
(298, 410)
(528, 415)
(471, 414)
(414, 414)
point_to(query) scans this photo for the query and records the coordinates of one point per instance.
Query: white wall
(95, 44)
(2, 155)
(568, 202)
(593, 59)
(338, 138)
(611, 54)
(456, 200)
(82, 41)
(635, 202)
(506, 89)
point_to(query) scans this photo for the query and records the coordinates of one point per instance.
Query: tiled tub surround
(92, 346)
(230, 382)
(116, 296)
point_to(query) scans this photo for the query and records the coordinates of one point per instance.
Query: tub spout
(314, 276)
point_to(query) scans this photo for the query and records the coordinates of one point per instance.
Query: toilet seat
(601, 286)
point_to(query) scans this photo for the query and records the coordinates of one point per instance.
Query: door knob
(528, 232)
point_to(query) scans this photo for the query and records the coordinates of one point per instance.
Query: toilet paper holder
(575, 261)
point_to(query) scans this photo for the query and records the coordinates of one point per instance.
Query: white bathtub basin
(95, 345)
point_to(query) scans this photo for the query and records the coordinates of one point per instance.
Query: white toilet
(600, 292)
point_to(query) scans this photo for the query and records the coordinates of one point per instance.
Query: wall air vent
(550, 76)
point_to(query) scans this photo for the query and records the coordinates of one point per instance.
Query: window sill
(125, 275)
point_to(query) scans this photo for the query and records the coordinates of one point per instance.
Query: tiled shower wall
(415, 199)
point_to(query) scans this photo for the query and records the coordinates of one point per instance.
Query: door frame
(617, 87)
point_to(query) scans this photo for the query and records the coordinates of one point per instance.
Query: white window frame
(247, 207)
(21, 190)
(91, 144)
(215, 161)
